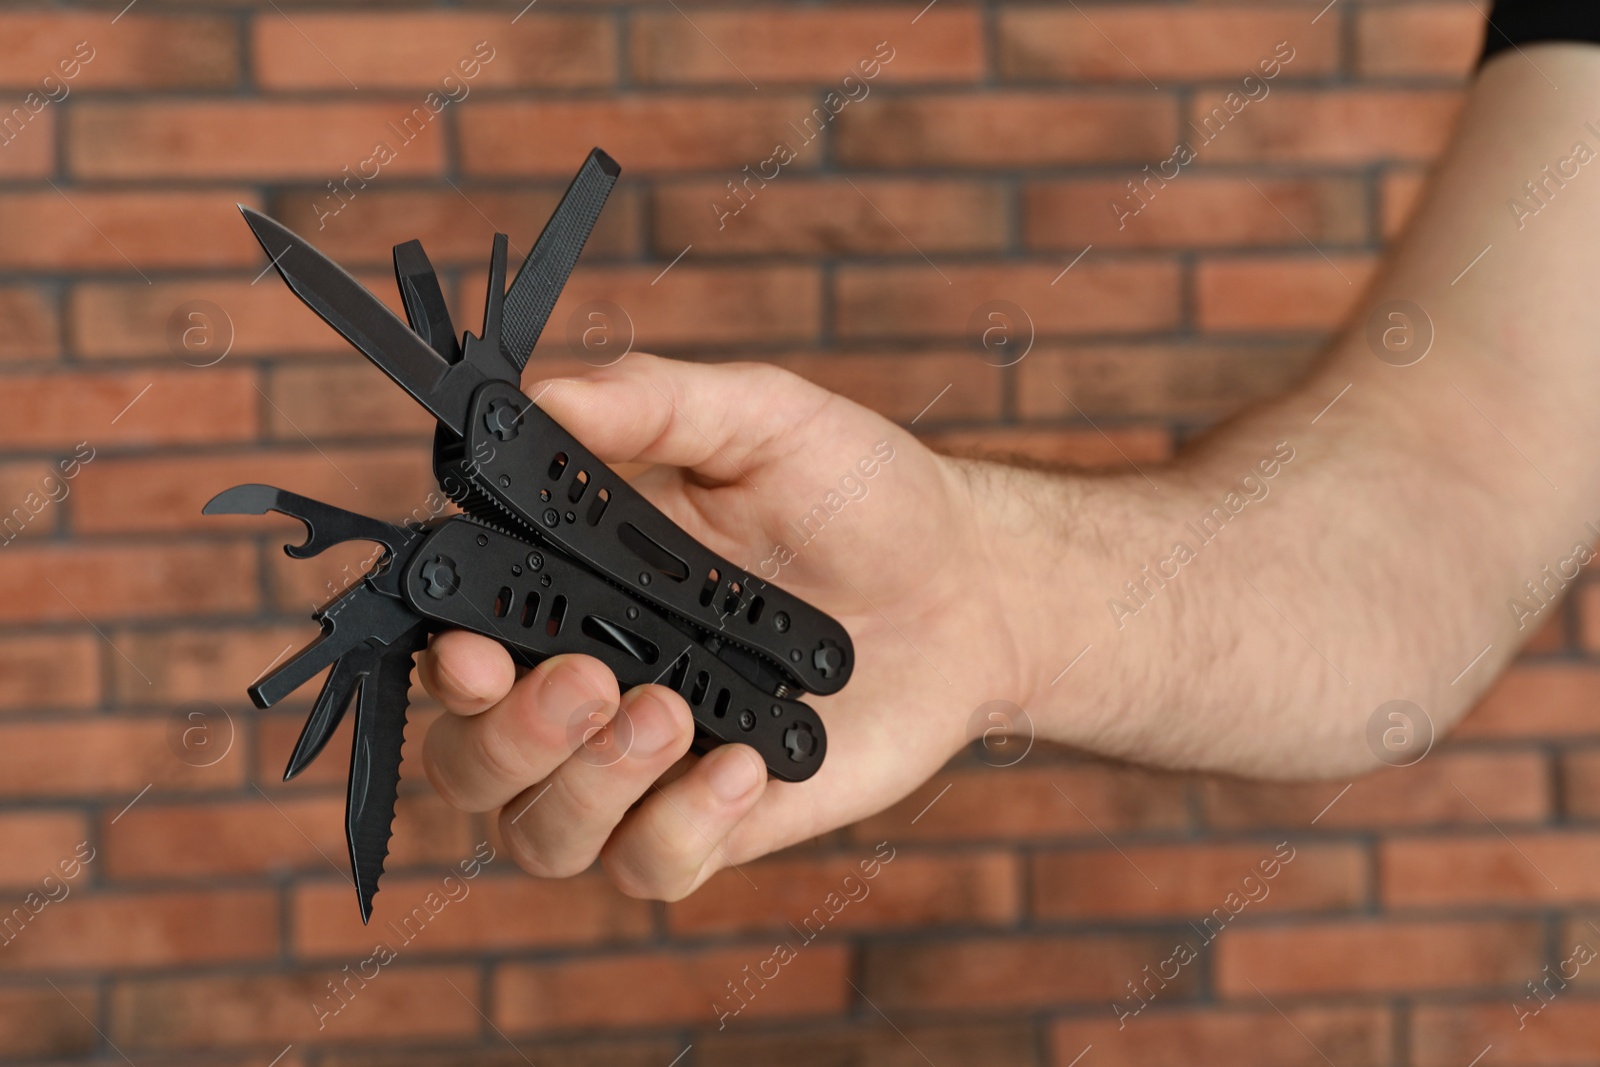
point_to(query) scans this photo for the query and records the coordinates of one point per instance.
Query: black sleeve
(1519, 22)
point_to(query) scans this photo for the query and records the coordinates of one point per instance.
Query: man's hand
(1432, 512)
(803, 488)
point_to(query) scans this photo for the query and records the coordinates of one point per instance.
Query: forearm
(1379, 556)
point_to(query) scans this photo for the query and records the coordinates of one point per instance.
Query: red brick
(1523, 869)
(50, 671)
(1053, 446)
(343, 398)
(924, 301)
(113, 759)
(1451, 1034)
(1399, 193)
(1194, 211)
(1426, 39)
(143, 52)
(1039, 971)
(125, 581)
(29, 325)
(82, 230)
(1551, 635)
(1135, 42)
(145, 930)
(214, 1010)
(26, 501)
(1348, 1036)
(773, 45)
(901, 386)
(644, 134)
(35, 842)
(1375, 957)
(30, 151)
(1185, 381)
(106, 409)
(1543, 700)
(404, 50)
(970, 888)
(1580, 781)
(1005, 129)
(298, 834)
(211, 664)
(44, 1022)
(456, 226)
(1341, 128)
(499, 914)
(1195, 880)
(253, 140)
(1300, 293)
(167, 493)
(1509, 787)
(167, 841)
(1022, 803)
(806, 216)
(1587, 601)
(133, 320)
(667, 988)
(691, 305)
(981, 1044)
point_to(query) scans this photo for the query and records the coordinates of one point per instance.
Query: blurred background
(165, 899)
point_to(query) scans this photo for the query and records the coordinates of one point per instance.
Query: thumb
(716, 419)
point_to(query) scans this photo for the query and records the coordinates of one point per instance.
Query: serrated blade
(544, 273)
(375, 762)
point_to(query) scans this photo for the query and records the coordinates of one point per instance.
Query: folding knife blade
(337, 692)
(544, 273)
(367, 323)
(375, 761)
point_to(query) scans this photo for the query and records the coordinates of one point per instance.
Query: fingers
(567, 760)
(715, 418)
(673, 841)
(465, 672)
(478, 762)
(557, 827)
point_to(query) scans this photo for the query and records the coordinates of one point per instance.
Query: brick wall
(1021, 902)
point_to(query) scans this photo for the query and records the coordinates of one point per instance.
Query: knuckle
(440, 752)
(500, 757)
(543, 861)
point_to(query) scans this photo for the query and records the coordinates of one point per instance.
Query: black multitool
(552, 552)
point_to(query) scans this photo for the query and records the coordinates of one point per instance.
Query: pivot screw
(800, 742)
(780, 622)
(502, 418)
(439, 576)
(747, 719)
(828, 659)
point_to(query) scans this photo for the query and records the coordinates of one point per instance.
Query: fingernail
(733, 773)
(653, 727)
